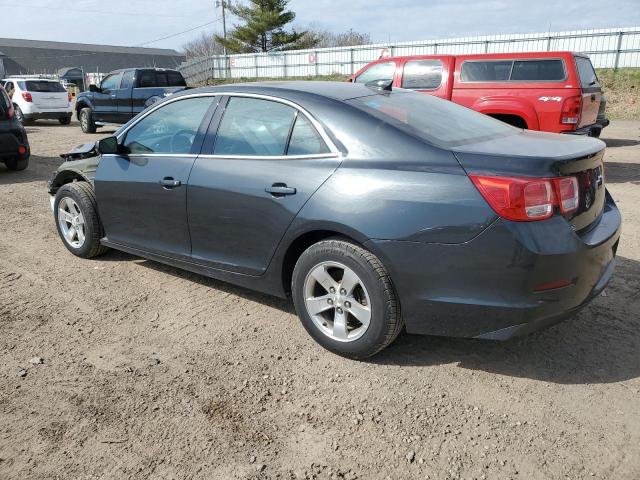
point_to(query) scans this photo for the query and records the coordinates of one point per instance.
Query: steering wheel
(182, 140)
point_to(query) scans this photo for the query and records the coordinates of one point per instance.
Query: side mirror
(108, 146)
(94, 88)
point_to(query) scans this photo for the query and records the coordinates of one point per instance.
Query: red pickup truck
(548, 91)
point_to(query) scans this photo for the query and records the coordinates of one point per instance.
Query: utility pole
(223, 4)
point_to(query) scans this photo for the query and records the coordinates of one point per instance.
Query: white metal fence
(608, 48)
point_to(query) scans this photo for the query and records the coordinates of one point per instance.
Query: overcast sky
(140, 22)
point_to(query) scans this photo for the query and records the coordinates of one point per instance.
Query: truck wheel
(345, 299)
(76, 214)
(86, 121)
(17, 164)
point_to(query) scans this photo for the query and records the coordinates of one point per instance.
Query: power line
(179, 33)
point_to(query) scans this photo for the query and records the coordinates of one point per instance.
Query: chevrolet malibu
(376, 210)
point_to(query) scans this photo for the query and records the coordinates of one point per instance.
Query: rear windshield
(547, 70)
(150, 78)
(588, 77)
(39, 86)
(439, 122)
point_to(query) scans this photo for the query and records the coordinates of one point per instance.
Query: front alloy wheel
(71, 222)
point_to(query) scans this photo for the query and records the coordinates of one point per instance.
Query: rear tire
(373, 299)
(17, 164)
(65, 120)
(75, 210)
(19, 115)
(86, 121)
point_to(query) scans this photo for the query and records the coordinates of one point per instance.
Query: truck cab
(122, 94)
(548, 91)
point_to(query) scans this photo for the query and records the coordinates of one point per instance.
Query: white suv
(39, 98)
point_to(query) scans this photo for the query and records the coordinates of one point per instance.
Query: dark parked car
(14, 145)
(375, 210)
(123, 94)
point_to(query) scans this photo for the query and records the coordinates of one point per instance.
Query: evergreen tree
(263, 28)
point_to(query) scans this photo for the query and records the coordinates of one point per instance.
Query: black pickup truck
(123, 94)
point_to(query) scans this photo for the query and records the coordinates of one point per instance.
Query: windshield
(437, 121)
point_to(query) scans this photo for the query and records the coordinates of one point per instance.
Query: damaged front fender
(86, 150)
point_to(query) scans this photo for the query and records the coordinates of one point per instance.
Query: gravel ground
(151, 372)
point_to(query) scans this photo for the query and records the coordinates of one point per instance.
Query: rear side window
(127, 80)
(147, 79)
(38, 86)
(379, 71)
(175, 79)
(422, 74)
(305, 139)
(588, 77)
(150, 78)
(538, 70)
(543, 70)
(254, 127)
(494, 71)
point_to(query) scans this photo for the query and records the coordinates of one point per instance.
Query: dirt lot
(150, 372)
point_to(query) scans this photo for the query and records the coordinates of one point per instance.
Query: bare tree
(205, 45)
(317, 37)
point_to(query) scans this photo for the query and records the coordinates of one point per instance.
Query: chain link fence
(608, 48)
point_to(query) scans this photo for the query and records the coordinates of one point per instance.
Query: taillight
(571, 109)
(69, 97)
(27, 97)
(528, 199)
(568, 194)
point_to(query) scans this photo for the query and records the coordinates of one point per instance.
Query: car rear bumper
(47, 115)
(491, 286)
(10, 144)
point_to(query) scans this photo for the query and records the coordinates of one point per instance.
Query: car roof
(29, 79)
(294, 89)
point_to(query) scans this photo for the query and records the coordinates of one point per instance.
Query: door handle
(280, 190)
(169, 183)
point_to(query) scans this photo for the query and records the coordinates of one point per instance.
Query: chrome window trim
(513, 61)
(273, 157)
(334, 152)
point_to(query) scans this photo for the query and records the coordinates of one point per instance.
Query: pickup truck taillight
(571, 109)
(528, 199)
(27, 97)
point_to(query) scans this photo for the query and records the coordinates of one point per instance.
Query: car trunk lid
(47, 95)
(543, 155)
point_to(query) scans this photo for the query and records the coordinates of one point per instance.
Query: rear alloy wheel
(77, 220)
(345, 299)
(18, 113)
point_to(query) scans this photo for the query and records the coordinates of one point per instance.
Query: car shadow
(599, 345)
(620, 142)
(39, 169)
(622, 172)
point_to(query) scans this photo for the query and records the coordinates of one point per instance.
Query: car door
(105, 104)
(124, 106)
(266, 160)
(141, 194)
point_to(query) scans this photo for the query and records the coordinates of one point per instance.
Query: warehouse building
(35, 57)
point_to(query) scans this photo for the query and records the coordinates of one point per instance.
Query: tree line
(262, 27)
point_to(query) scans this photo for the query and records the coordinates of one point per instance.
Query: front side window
(305, 139)
(254, 127)
(422, 74)
(379, 71)
(588, 77)
(169, 129)
(439, 122)
(112, 82)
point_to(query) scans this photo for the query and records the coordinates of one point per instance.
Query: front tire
(76, 214)
(86, 121)
(345, 299)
